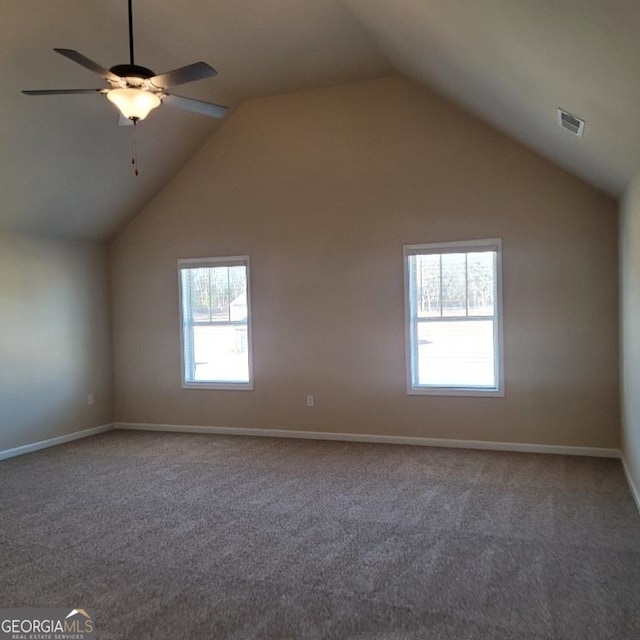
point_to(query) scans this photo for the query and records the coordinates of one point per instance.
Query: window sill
(453, 391)
(220, 386)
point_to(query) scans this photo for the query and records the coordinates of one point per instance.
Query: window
(453, 301)
(216, 323)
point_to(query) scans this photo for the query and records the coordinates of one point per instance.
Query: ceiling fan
(136, 90)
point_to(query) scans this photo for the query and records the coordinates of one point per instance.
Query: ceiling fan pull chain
(134, 156)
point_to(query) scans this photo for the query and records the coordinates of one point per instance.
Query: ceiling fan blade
(54, 92)
(195, 71)
(197, 106)
(87, 64)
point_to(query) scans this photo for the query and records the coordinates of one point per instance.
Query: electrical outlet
(310, 401)
(90, 399)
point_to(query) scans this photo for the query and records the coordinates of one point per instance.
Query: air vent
(571, 123)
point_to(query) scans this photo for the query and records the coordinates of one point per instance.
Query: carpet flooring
(185, 536)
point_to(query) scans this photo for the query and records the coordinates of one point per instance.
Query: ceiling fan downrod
(131, 58)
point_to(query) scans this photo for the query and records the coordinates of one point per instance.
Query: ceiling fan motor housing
(132, 71)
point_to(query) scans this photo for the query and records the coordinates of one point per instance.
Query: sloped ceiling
(65, 164)
(513, 62)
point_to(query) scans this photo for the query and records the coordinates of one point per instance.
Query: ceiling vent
(570, 122)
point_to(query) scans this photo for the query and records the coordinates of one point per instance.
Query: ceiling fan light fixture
(134, 104)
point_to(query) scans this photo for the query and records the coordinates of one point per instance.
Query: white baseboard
(356, 437)
(632, 486)
(52, 442)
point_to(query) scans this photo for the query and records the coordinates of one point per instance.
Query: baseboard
(632, 486)
(52, 442)
(356, 437)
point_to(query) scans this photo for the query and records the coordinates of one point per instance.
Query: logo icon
(82, 612)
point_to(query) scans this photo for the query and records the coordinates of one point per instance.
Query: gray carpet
(194, 536)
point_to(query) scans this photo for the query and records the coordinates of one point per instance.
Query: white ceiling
(65, 164)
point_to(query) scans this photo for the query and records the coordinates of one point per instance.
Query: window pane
(426, 270)
(219, 293)
(456, 354)
(199, 291)
(481, 283)
(220, 353)
(237, 293)
(454, 284)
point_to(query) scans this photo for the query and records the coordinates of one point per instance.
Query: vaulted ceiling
(65, 163)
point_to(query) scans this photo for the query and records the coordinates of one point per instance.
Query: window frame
(439, 248)
(222, 261)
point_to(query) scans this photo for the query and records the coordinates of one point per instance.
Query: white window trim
(230, 261)
(492, 244)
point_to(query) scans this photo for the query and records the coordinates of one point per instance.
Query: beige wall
(630, 321)
(322, 189)
(54, 338)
